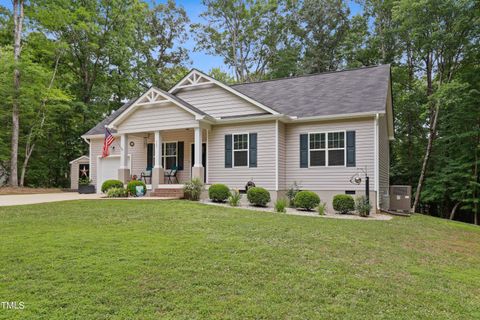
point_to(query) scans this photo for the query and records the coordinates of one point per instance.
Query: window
(240, 150)
(317, 149)
(327, 149)
(169, 158)
(336, 148)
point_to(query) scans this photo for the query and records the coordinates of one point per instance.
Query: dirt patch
(10, 190)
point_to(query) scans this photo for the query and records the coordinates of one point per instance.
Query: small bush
(84, 181)
(306, 200)
(322, 207)
(218, 192)
(292, 192)
(281, 205)
(193, 189)
(111, 184)
(117, 193)
(362, 206)
(258, 196)
(234, 199)
(343, 203)
(132, 187)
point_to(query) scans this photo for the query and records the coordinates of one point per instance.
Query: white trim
(126, 112)
(164, 150)
(79, 158)
(343, 116)
(248, 149)
(224, 86)
(276, 155)
(329, 149)
(376, 161)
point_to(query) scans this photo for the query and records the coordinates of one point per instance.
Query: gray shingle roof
(100, 127)
(350, 91)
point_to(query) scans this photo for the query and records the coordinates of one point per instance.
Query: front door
(204, 159)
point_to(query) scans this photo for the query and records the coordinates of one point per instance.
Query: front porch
(164, 157)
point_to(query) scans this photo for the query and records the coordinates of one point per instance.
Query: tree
(245, 33)
(18, 17)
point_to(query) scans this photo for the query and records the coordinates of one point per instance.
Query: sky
(201, 60)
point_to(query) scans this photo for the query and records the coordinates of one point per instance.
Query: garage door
(108, 169)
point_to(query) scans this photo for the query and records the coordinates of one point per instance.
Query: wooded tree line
(65, 64)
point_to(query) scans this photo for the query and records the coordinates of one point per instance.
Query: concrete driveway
(20, 199)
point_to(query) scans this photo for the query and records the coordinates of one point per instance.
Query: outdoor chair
(146, 174)
(171, 175)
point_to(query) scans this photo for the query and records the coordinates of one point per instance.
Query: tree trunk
(18, 26)
(431, 138)
(452, 213)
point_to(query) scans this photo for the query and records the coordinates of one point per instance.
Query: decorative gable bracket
(194, 79)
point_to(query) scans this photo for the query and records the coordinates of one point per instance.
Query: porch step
(175, 193)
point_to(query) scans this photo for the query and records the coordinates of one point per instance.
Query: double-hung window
(327, 149)
(240, 150)
(170, 155)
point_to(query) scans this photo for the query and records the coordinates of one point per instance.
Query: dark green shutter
(351, 149)
(228, 151)
(304, 150)
(252, 150)
(149, 156)
(180, 153)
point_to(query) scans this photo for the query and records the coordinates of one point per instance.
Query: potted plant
(84, 186)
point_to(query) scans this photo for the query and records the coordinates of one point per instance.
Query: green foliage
(83, 181)
(234, 198)
(116, 192)
(281, 205)
(258, 196)
(322, 207)
(132, 187)
(362, 206)
(193, 189)
(292, 192)
(107, 184)
(306, 200)
(343, 203)
(218, 192)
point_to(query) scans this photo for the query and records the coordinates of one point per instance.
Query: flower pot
(86, 188)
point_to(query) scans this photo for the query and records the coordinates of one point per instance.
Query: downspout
(276, 156)
(377, 166)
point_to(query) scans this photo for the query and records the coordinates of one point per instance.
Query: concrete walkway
(20, 199)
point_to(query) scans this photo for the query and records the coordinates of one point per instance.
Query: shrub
(218, 192)
(292, 192)
(111, 184)
(132, 187)
(343, 203)
(306, 200)
(281, 205)
(234, 198)
(322, 207)
(116, 192)
(258, 196)
(84, 181)
(193, 189)
(362, 206)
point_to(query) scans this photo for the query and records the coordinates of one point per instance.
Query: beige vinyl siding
(263, 175)
(383, 162)
(282, 150)
(138, 153)
(157, 117)
(218, 102)
(330, 178)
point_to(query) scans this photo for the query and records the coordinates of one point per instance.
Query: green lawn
(147, 260)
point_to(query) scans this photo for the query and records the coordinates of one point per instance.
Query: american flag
(107, 142)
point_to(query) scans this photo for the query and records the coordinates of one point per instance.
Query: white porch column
(198, 169)
(123, 170)
(157, 172)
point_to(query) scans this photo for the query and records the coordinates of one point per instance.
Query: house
(318, 130)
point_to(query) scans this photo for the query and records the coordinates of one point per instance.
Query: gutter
(377, 162)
